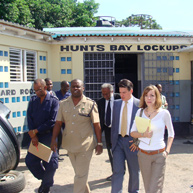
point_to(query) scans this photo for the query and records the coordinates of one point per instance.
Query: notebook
(142, 124)
(42, 151)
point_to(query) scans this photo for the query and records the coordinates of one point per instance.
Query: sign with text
(122, 47)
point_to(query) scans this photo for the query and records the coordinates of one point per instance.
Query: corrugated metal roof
(114, 31)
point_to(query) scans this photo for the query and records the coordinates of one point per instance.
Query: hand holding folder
(42, 151)
(142, 124)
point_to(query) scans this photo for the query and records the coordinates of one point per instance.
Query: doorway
(126, 68)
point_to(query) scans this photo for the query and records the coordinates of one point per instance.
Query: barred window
(22, 65)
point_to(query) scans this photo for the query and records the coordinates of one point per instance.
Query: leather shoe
(109, 178)
(43, 189)
(60, 158)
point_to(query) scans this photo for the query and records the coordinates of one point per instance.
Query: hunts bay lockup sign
(122, 47)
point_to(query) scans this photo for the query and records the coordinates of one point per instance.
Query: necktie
(108, 114)
(124, 121)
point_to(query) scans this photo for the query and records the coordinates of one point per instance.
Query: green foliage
(62, 13)
(143, 21)
(49, 13)
(83, 13)
(16, 11)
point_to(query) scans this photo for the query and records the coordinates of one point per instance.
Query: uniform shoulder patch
(90, 99)
(55, 97)
(61, 101)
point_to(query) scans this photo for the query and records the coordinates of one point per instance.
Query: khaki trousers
(152, 169)
(81, 162)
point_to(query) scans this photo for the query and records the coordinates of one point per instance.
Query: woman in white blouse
(152, 157)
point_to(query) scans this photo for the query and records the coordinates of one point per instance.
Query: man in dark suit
(123, 148)
(105, 106)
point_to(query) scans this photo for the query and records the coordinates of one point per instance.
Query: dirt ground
(178, 176)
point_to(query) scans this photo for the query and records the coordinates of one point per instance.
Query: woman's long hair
(158, 102)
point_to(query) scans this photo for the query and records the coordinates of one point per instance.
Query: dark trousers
(40, 169)
(107, 131)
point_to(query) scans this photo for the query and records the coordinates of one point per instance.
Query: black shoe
(43, 189)
(60, 158)
(109, 178)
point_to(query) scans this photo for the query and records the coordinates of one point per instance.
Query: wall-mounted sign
(12, 92)
(124, 47)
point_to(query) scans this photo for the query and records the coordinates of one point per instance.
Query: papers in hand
(142, 124)
(42, 151)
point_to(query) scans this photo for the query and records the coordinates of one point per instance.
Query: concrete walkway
(178, 178)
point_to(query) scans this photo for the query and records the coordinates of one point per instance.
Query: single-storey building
(96, 55)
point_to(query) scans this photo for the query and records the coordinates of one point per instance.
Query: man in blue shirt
(62, 94)
(41, 117)
(64, 91)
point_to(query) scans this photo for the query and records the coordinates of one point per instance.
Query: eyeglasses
(38, 90)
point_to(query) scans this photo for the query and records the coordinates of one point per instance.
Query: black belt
(124, 136)
(45, 132)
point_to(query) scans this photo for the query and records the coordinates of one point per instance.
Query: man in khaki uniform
(78, 113)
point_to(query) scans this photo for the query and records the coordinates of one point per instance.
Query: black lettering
(92, 47)
(175, 47)
(168, 47)
(2, 92)
(8, 92)
(161, 48)
(113, 47)
(154, 47)
(83, 48)
(147, 47)
(62, 48)
(13, 92)
(138, 47)
(26, 91)
(183, 46)
(31, 91)
(100, 47)
(121, 47)
(128, 47)
(72, 48)
(21, 91)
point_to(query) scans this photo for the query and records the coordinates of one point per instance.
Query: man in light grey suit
(122, 143)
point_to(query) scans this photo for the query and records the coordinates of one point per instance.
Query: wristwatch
(101, 144)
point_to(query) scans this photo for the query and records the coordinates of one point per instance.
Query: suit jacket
(101, 109)
(116, 118)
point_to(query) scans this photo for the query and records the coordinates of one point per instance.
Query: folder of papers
(42, 151)
(142, 124)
